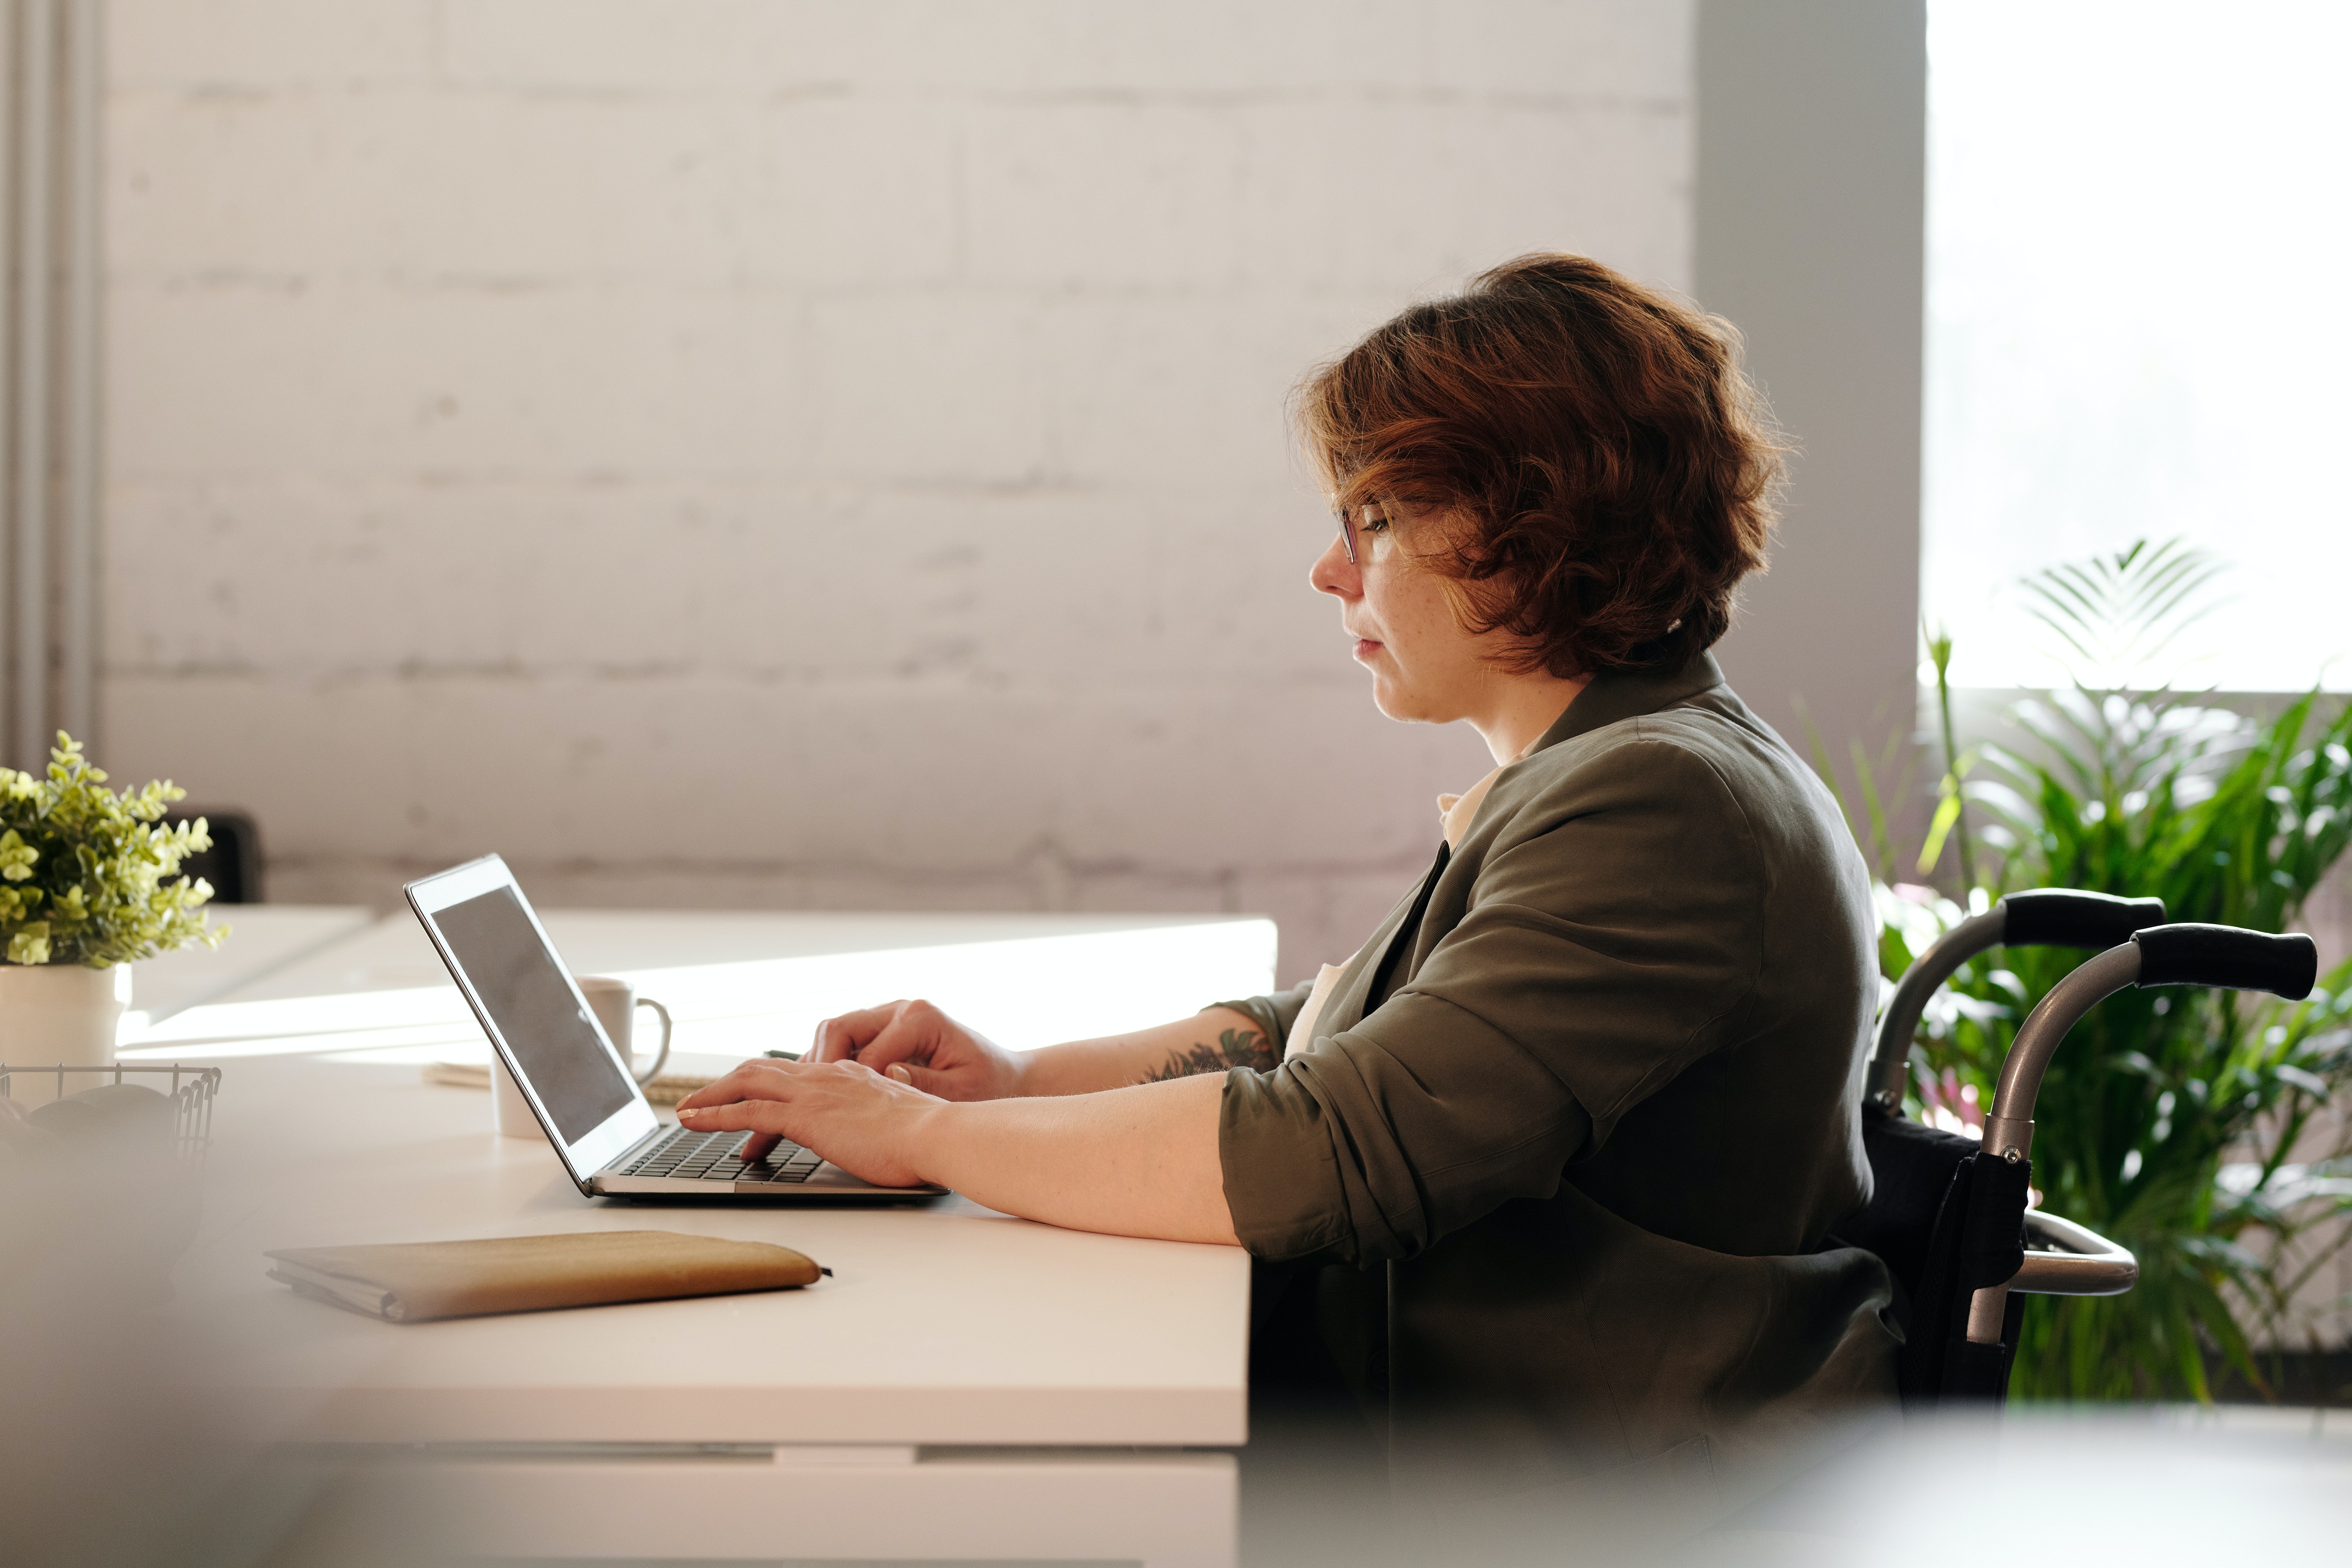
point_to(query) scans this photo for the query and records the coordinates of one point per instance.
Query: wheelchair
(1949, 1215)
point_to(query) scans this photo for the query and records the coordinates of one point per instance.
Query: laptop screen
(538, 1013)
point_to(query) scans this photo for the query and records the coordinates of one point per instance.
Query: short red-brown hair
(1608, 469)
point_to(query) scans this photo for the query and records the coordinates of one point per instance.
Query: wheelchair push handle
(2285, 966)
(2223, 956)
(2044, 917)
(2063, 917)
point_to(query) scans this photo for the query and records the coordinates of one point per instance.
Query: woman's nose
(1334, 573)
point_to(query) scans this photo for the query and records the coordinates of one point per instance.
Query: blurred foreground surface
(2043, 1484)
(110, 1455)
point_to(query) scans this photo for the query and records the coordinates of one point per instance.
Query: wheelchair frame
(1985, 1240)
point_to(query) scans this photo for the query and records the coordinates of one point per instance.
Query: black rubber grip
(2061, 917)
(2227, 956)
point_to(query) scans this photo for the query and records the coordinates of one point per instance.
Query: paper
(668, 1089)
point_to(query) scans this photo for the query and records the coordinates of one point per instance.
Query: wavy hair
(1606, 471)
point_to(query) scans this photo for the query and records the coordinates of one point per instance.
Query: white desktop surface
(943, 1324)
(966, 1385)
(263, 939)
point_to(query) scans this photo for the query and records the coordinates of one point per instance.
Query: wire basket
(190, 1094)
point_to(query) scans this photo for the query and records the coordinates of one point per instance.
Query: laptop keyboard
(688, 1156)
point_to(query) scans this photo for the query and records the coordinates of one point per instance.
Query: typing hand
(868, 1124)
(917, 1044)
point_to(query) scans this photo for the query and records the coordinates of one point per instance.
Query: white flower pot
(58, 1015)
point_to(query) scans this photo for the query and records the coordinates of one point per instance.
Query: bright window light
(2136, 324)
(1022, 992)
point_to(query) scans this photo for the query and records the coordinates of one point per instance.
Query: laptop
(582, 1091)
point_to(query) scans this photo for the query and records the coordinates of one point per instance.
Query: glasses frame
(1348, 534)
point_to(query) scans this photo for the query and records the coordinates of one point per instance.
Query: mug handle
(663, 1055)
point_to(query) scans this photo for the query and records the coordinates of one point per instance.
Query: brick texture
(748, 453)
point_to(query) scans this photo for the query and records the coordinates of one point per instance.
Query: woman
(1590, 1094)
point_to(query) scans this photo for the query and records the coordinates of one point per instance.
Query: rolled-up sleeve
(1609, 925)
(1274, 1014)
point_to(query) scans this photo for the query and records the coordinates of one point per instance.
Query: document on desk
(415, 1282)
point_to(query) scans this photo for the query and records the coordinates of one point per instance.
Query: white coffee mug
(616, 1003)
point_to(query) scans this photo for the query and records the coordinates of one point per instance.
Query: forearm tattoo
(1235, 1048)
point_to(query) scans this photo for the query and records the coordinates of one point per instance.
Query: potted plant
(2193, 1126)
(89, 884)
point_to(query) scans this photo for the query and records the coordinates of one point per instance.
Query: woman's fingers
(852, 1115)
(895, 1032)
(760, 1080)
(718, 1092)
(750, 1085)
(924, 1079)
(754, 1115)
(914, 1035)
(841, 1039)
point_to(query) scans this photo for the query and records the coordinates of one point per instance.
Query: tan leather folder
(416, 1281)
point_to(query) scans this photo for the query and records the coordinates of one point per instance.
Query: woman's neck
(1523, 708)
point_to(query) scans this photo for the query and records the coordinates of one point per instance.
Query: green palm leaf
(2167, 1119)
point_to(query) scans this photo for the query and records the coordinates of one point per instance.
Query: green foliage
(86, 876)
(2169, 1118)
(1950, 819)
(2116, 615)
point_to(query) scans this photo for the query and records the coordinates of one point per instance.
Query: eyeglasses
(1379, 519)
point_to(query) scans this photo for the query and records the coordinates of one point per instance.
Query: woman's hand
(917, 1044)
(868, 1124)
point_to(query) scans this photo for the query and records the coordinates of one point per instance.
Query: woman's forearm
(1133, 1161)
(1206, 1043)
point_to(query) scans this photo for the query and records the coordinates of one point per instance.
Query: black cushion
(1911, 1167)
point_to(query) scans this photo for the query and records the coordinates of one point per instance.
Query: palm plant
(2174, 1121)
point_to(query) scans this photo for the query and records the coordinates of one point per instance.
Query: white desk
(966, 1385)
(263, 939)
(739, 982)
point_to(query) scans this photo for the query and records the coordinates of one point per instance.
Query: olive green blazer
(1577, 1121)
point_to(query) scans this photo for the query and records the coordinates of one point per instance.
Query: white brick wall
(749, 452)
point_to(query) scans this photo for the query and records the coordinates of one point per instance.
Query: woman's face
(1424, 666)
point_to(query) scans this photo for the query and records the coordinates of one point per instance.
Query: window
(2137, 321)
